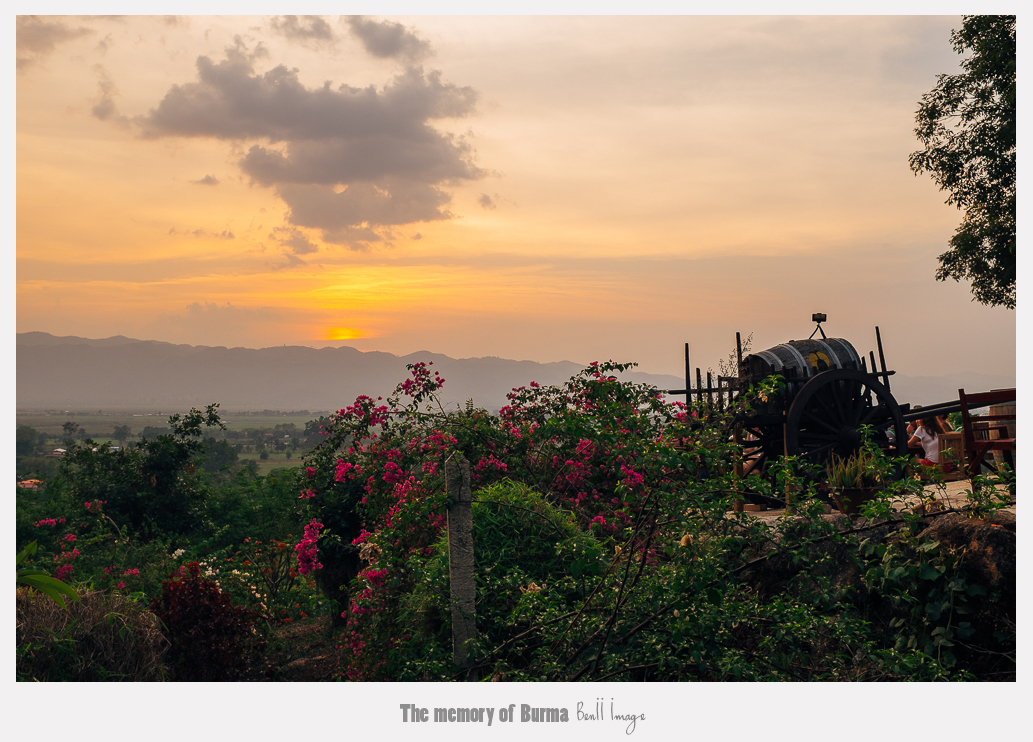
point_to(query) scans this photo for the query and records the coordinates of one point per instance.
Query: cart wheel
(761, 444)
(826, 416)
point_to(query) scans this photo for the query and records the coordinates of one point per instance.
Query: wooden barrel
(802, 359)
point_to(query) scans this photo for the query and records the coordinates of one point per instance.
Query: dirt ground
(303, 652)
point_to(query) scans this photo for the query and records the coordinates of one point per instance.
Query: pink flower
(307, 494)
(308, 470)
(341, 472)
(306, 550)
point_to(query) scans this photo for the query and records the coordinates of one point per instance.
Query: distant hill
(120, 373)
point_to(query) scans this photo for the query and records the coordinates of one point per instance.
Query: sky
(536, 188)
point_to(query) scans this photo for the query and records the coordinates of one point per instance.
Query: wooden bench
(978, 440)
(952, 452)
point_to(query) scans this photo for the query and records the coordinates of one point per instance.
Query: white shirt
(931, 444)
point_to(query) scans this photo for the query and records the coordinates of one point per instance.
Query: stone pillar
(460, 556)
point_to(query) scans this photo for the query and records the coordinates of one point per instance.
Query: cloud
(388, 40)
(486, 201)
(307, 30)
(294, 239)
(199, 233)
(207, 180)
(36, 38)
(348, 161)
(105, 109)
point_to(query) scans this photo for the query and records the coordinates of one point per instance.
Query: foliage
(967, 126)
(604, 544)
(859, 470)
(104, 636)
(151, 487)
(211, 639)
(39, 580)
(25, 440)
(531, 552)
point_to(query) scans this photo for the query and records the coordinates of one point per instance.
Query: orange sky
(533, 188)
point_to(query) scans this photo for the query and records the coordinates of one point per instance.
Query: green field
(99, 425)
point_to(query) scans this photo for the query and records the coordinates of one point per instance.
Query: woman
(927, 436)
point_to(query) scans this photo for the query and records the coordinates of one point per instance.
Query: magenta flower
(306, 550)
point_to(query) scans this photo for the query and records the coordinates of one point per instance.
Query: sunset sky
(543, 188)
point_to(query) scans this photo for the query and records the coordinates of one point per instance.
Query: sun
(343, 333)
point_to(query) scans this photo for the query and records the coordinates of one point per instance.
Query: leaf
(51, 587)
(26, 552)
(929, 572)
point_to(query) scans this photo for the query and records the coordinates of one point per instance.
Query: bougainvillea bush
(606, 546)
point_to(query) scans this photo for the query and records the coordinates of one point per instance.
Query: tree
(967, 127)
(151, 487)
(25, 440)
(69, 428)
(220, 455)
(121, 433)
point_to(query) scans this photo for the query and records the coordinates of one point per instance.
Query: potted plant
(854, 480)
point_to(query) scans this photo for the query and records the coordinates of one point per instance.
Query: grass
(106, 636)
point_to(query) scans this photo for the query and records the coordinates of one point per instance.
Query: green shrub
(531, 558)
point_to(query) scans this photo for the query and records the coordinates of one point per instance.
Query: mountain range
(120, 373)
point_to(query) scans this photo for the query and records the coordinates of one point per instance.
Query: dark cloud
(348, 161)
(385, 39)
(294, 239)
(36, 38)
(417, 236)
(207, 180)
(308, 29)
(486, 201)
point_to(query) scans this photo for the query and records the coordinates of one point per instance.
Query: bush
(106, 636)
(533, 560)
(211, 638)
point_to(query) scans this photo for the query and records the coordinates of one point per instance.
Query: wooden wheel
(827, 415)
(762, 442)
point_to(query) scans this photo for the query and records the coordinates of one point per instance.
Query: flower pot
(850, 499)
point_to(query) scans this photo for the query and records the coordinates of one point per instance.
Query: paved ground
(954, 496)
